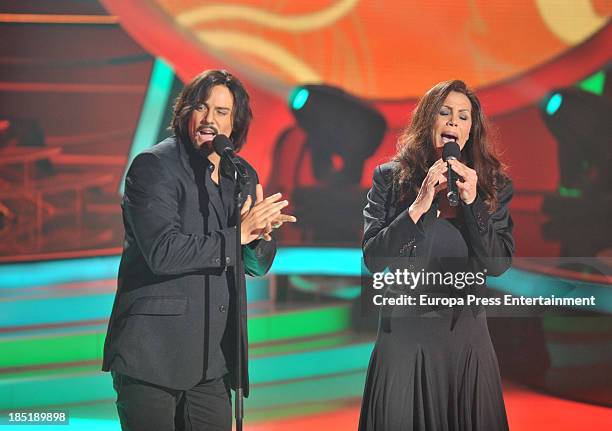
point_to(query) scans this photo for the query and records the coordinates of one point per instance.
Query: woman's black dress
(434, 368)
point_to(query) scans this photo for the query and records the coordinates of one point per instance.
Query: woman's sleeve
(382, 240)
(490, 235)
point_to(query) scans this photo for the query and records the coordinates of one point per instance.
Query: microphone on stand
(224, 147)
(451, 151)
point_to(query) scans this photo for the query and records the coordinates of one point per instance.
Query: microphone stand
(241, 178)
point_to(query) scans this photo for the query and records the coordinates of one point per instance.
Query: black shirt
(218, 298)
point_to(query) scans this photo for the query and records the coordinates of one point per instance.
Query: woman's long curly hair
(416, 151)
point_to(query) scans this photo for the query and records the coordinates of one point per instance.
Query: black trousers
(143, 406)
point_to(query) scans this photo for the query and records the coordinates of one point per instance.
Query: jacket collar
(197, 167)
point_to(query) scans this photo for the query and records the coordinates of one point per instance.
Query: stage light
(298, 97)
(569, 193)
(319, 161)
(554, 103)
(580, 122)
(153, 110)
(596, 83)
(342, 131)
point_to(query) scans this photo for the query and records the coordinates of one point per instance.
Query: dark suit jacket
(178, 256)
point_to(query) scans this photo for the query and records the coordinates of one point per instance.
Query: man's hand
(265, 215)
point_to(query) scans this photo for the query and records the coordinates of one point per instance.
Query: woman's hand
(433, 182)
(466, 187)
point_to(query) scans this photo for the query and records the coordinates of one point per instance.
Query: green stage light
(594, 83)
(298, 98)
(152, 113)
(569, 192)
(554, 103)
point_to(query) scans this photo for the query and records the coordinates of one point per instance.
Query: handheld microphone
(451, 151)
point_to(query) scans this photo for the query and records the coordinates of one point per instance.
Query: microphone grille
(451, 150)
(221, 143)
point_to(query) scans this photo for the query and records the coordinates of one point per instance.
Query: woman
(433, 367)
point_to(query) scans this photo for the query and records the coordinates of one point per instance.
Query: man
(171, 335)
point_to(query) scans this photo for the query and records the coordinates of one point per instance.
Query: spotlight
(582, 207)
(298, 97)
(319, 162)
(342, 131)
(554, 103)
(580, 121)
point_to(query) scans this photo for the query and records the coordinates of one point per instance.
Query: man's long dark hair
(196, 93)
(416, 151)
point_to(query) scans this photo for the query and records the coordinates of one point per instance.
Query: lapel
(432, 214)
(195, 165)
(217, 205)
(427, 219)
(227, 187)
(187, 157)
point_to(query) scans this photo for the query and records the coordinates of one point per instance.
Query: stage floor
(527, 411)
